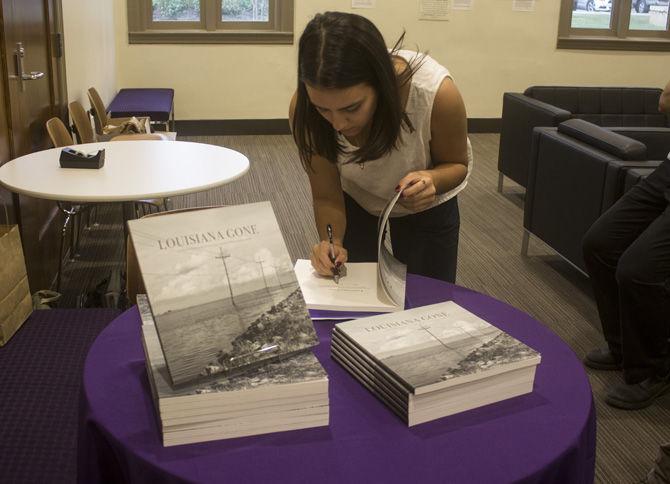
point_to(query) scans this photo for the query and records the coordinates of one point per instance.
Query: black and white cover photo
(435, 346)
(222, 289)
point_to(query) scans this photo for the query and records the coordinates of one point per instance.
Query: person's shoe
(602, 359)
(639, 395)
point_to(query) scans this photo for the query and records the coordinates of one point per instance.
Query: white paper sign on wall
(363, 3)
(433, 9)
(463, 4)
(523, 5)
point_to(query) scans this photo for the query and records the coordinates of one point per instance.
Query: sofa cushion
(605, 106)
(604, 139)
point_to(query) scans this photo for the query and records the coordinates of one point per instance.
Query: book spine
(359, 348)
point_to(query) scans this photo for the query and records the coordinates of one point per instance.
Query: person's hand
(321, 260)
(418, 190)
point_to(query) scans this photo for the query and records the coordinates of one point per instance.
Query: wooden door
(35, 91)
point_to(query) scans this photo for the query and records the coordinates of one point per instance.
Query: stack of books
(287, 394)
(226, 332)
(433, 361)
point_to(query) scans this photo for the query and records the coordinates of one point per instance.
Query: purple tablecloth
(156, 103)
(546, 436)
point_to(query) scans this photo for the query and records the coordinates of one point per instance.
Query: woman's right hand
(321, 260)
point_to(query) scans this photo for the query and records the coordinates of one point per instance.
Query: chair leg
(500, 182)
(73, 245)
(77, 228)
(62, 249)
(94, 215)
(524, 242)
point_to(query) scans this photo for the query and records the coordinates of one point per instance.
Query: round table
(545, 436)
(133, 170)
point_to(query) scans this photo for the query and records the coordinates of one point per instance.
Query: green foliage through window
(244, 10)
(176, 10)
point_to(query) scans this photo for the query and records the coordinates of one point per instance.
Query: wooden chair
(84, 130)
(100, 117)
(82, 122)
(134, 282)
(60, 136)
(58, 132)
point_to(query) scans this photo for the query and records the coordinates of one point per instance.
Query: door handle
(33, 76)
(20, 53)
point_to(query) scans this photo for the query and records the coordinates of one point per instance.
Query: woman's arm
(664, 100)
(328, 200)
(448, 148)
(328, 205)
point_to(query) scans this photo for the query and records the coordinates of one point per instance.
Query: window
(614, 24)
(210, 21)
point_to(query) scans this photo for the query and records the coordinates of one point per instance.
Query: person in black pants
(627, 256)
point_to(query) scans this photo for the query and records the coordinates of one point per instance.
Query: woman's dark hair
(340, 50)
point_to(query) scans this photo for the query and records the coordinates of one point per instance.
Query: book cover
(437, 346)
(221, 288)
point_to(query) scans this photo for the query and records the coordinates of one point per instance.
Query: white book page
(391, 273)
(357, 291)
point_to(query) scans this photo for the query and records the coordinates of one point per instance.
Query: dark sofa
(549, 106)
(577, 171)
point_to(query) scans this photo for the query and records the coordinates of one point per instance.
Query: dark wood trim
(56, 48)
(217, 127)
(484, 125)
(7, 113)
(210, 29)
(617, 37)
(651, 44)
(205, 37)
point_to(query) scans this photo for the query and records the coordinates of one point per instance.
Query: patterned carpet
(40, 373)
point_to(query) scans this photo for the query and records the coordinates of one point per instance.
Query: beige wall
(489, 50)
(90, 57)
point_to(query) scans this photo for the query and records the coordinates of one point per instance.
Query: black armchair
(549, 106)
(577, 171)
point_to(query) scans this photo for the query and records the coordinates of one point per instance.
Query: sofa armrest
(604, 139)
(520, 115)
(634, 175)
(570, 183)
(616, 176)
(657, 140)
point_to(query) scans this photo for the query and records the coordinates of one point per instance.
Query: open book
(377, 287)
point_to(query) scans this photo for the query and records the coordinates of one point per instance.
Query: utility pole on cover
(223, 258)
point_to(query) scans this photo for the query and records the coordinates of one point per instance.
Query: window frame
(618, 37)
(211, 29)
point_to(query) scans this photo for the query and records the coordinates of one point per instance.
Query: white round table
(133, 170)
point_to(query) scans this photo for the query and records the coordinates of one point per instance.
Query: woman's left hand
(418, 190)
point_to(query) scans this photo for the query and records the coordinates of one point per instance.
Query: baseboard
(484, 125)
(218, 127)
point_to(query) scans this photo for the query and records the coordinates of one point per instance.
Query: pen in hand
(336, 270)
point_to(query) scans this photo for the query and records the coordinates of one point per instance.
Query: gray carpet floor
(490, 261)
